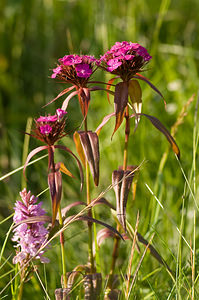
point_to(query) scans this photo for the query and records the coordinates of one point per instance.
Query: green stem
(90, 229)
(117, 240)
(20, 290)
(52, 168)
(114, 259)
(62, 250)
(22, 274)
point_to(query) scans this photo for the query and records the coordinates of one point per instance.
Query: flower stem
(114, 259)
(90, 230)
(127, 132)
(62, 250)
(51, 166)
(117, 240)
(22, 274)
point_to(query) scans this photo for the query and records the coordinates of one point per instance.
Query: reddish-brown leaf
(35, 219)
(92, 286)
(166, 133)
(104, 121)
(120, 101)
(60, 94)
(122, 180)
(31, 154)
(79, 148)
(104, 234)
(90, 144)
(55, 186)
(135, 94)
(65, 102)
(153, 251)
(92, 220)
(62, 168)
(84, 100)
(141, 77)
(110, 82)
(102, 201)
(71, 205)
(77, 160)
(98, 88)
(161, 128)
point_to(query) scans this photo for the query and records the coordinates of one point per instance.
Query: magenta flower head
(75, 69)
(60, 113)
(125, 59)
(49, 129)
(29, 236)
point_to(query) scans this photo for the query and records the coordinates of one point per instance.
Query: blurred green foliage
(33, 35)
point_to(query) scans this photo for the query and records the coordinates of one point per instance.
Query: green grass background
(33, 34)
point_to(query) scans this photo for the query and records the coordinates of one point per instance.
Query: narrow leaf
(60, 94)
(71, 205)
(125, 188)
(104, 234)
(122, 180)
(110, 82)
(161, 128)
(65, 102)
(120, 101)
(62, 168)
(102, 201)
(135, 94)
(79, 148)
(104, 121)
(77, 160)
(98, 88)
(55, 186)
(141, 77)
(84, 100)
(92, 220)
(94, 142)
(31, 154)
(92, 285)
(153, 251)
(90, 145)
(35, 219)
(117, 183)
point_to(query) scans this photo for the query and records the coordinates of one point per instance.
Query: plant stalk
(52, 168)
(88, 196)
(22, 274)
(117, 240)
(62, 250)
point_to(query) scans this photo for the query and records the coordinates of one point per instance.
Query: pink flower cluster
(124, 52)
(29, 236)
(45, 129)
(82, 65)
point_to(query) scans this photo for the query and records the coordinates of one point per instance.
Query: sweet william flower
(56, 71)
(76, 70)
(29, 236)
(49, 130)
(47, 119)
(125, 59)
(83, 70)
(46, 129)
(60, 113)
